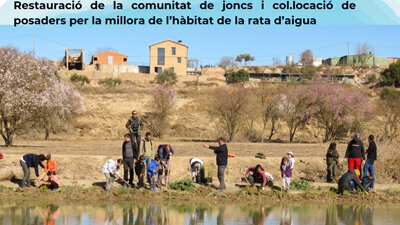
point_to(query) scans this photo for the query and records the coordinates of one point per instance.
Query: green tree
(246, 57)
(391, 75)
(166, 77)
(238, 76)
(390, 105)
(307, 73)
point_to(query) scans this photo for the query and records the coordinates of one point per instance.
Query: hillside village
(174, 56)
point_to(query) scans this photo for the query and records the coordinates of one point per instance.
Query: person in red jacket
(355, 153)
(50, 164)
(258, 176)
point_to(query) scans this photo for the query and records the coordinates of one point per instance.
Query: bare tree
(364, 53)
(268, 102)
(276, 61)
(163, 102)
(307, 57)
(193, 63)
(228, 105)
(227, 62)
(295, 109)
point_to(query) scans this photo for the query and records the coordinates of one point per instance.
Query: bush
(307, 73)
(391, 76)
(110, 82)
(166, 77)
(292, 68)
(371, 78)
(238, 77)
(300, 185)
(260, 155)
(182, 185)
(79, 79)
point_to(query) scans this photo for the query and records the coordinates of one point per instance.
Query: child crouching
(53, 181)
(152, 172)
(286, 171)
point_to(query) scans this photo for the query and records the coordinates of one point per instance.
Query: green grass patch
(182, 185)
(300, 185)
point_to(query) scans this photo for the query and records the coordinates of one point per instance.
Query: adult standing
(355, 153)
(31, 161)
(146, 148)
(164, 153)
(129, 154)
(332, 157)
(371, 157)
(222, 160)
(135, 126)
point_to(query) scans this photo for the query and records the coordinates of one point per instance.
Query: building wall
(103, 58)
(171, 61)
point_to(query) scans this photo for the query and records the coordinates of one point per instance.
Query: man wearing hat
(355, 153)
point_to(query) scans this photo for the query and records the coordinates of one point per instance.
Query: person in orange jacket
(50, 164)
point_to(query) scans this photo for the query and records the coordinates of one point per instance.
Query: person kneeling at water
(110, 170)
(258, 176)
(349, 181)
(53, 181)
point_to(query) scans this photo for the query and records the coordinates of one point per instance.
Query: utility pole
(348, 48)
(33, 45)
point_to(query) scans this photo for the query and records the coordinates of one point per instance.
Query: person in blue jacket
(31, 161)
(152, 172)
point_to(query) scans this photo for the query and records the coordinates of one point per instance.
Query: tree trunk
(272, 132)
(47, 133)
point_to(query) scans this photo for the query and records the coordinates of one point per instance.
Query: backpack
(139, 166)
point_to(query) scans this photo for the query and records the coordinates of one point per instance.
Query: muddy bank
(201, 194)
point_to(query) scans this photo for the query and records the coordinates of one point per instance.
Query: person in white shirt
(290, 155)
(195, 165)
(110, 170)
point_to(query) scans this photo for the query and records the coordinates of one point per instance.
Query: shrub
(182, 185)
(238, 77)
(260, 155)
(391, 76)
(300, 185)
(371, 78)
(307, 73)
(166, 77)
(79, 79)
(110, 82)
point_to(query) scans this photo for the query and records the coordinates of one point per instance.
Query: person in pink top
(257, 176)
(52, 181)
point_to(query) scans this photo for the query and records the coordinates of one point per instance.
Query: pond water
(191, 214)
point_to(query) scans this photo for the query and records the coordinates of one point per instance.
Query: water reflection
(196, 214)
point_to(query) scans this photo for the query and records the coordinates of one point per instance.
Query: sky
(207, 44)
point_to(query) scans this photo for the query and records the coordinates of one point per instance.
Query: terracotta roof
(110, 51)
(170, 41)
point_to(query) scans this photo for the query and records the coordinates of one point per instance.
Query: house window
(95, 58)
(125, 59)
(179, 60)
(158, 69)
(172, 69)
(173, 51)
(161, 56)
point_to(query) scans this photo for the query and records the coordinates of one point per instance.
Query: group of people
(154, 165)
(28, 161)
(355, 154)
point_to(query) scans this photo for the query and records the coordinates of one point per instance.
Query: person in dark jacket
(332, 157)
(355, 153)
(349, 181)
(140, 169)
(135, 126)
(258, 176)
(129, 155)
(164, 152)
(222, 160)
(371, 157)
(31, 161)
